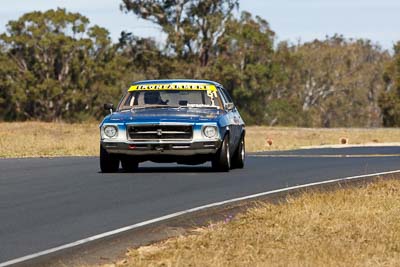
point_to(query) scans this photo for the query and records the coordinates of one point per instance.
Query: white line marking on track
(392, 144)
(176, 214)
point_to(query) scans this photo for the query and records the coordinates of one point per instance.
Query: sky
(292, 20)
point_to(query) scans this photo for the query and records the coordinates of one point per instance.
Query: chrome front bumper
(162, 148)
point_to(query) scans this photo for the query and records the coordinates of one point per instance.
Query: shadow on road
(172, 169)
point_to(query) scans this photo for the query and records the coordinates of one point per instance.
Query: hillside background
(56, 66)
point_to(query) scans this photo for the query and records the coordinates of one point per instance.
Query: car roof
(177, 81)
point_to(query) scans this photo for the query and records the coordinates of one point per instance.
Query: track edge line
(179, 213)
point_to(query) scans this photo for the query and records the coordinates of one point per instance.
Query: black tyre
(108, 162)
(222, 160)
(239, 156)
(129, 164)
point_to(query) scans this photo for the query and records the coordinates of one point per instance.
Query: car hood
(156, 115)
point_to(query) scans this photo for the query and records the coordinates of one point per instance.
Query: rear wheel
(129, 164)
(108, 162)
(222, 160)
(239, 156)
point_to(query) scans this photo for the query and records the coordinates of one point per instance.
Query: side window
(128, 99)
(223, 96)
(122, 101)
(226, 95)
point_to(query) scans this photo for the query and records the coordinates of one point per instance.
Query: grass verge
(285, 138)
(347, 227)
(39, 139)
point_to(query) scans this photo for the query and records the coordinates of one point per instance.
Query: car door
(235, 121)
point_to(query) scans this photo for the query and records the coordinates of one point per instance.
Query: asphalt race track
(45, 203)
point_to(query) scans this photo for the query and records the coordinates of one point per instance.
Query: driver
(153, 98)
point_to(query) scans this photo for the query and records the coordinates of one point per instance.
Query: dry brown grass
(348, 227)
(284, 138)
(32, 139)
(36, 139)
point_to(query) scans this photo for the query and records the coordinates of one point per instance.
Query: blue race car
(184, 121)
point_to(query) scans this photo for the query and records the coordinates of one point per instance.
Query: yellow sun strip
(174, 86)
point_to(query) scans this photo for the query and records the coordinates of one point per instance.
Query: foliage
(338, 81)
(389, 100)
(192, 26)
(58, 66)
(54, 65)
(244, 62)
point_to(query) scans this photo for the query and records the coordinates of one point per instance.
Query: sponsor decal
(174, 86)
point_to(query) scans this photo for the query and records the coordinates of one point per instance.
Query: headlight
(210, 131)
(110, 131)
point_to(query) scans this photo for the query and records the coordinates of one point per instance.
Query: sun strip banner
(174, 86)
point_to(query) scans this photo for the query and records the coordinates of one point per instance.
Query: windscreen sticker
(174, 86)
(212, 95)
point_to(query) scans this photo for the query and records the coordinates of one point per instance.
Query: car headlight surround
(210, 131)
(110, 131)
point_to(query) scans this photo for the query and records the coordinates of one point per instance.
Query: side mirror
(229, 106)
(109, 106)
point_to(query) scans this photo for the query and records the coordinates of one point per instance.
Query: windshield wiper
(154, 106)
(171, 106)
(124, 109)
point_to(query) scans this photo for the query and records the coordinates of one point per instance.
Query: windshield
(168, 98)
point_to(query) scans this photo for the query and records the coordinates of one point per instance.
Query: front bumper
(162, 148)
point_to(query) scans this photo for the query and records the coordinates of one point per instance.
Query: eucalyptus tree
(389, 100)
(340, 80)
(12, 84)
(193, 27)
(245, 64)
(63, 66)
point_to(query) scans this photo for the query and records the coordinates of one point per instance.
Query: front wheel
(108, 162)
(222, 160)
(239, 156)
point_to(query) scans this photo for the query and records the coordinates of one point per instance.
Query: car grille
(159, 132)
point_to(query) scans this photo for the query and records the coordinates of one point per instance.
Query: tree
(338, 81)
(64, 67)
(55, 66)
(244, 64)
(193, 27)
(389, 100)
(12, 84)
(143, 58)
